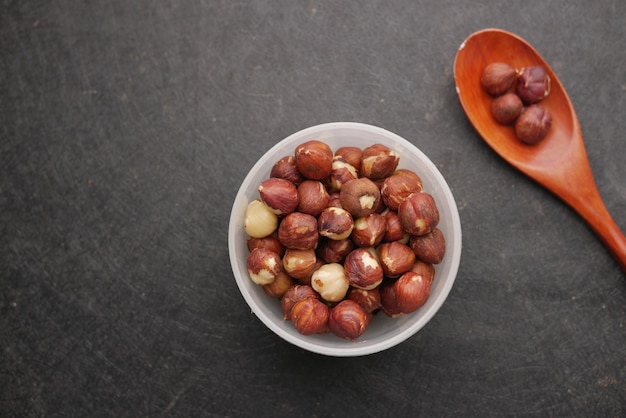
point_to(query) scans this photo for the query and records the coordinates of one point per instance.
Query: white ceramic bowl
(383, 332)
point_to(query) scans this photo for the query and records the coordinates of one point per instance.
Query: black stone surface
(126, 128)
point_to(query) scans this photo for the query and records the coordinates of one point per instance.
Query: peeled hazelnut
(369, 230)
(259, 220)
(430, 247)
(280, 195)
(279, 286)
(286, 168)
(395, 258)
(314, 159)
(334, 251)
(424, 269)
(497, 78)
(533, 84)
(533, 124)
(310, 316)
(378, 162)
(299, 231)
(418, 213)
(398, 187)
(369, 300)
(295, 294)
(263, 266)
(313, 197)
(353, 155)
(348, 320)
(506, 108)
(363, 269)
(412, 291)
(270, 242)
(299, 264)
(335, 223)
(330, 282)
(393, 229)
(360, 197)
(341, 173)
(388, 299)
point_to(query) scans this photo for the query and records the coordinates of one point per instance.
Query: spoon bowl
(559, 162)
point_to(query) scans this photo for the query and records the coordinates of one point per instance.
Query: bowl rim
(453, 251)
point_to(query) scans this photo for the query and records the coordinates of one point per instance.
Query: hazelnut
(341, 173)
(360, 197)
(369, 300)
(396, 258)
(310, 316)
(353, 155)
(295, 294)
(263, 266)
(393, 228)
(398, 187)
(270, 242)
(280, 195)
(418, 213)
(533, 84)
(412, 291)
(533, 124)
(425, 269)
(259, 220)
(313, 197)
(378, 162)
(314, 159)
(363, 269)
(506, 108)
(299, 231)
(333, 200)
(279, 286)
(430, 247)
(388, 298)
(330, 282)
(497, 78)
(299, 264)
(348, 320)
(286, 168)
(334, 251)
(335, 223)
(369, 230)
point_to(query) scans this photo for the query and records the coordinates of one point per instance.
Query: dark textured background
(126, 128)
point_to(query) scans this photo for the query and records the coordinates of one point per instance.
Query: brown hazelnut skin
(425, 269)
(333, 250)
(341, 173)
(348, 320)
(299, 264)
(369, 230)
(279, 286)
(314, 159)
(362, 269)
(335, 223)
(393, 230)
(263, 265)
(287, 169)
(353, 155)
(506, 108)
(418, 213)
(396, 258)
(497, 78)
(299, 231)
(313, 197)
(430, 247)
(270, 242)
(533, 84)
(295, 294)
(378, 162)
(398, 187)
(280, 195)
(533, 124)
(412, 291)
(388, 299)
(310, 316)
(360, 197)
(334, 201)
(369, 300)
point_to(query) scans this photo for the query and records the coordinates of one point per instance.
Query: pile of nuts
(339, 237)
(531, 85)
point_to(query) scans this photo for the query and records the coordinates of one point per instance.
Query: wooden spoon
(559, 162)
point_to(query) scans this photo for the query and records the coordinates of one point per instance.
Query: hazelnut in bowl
(344, 270)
